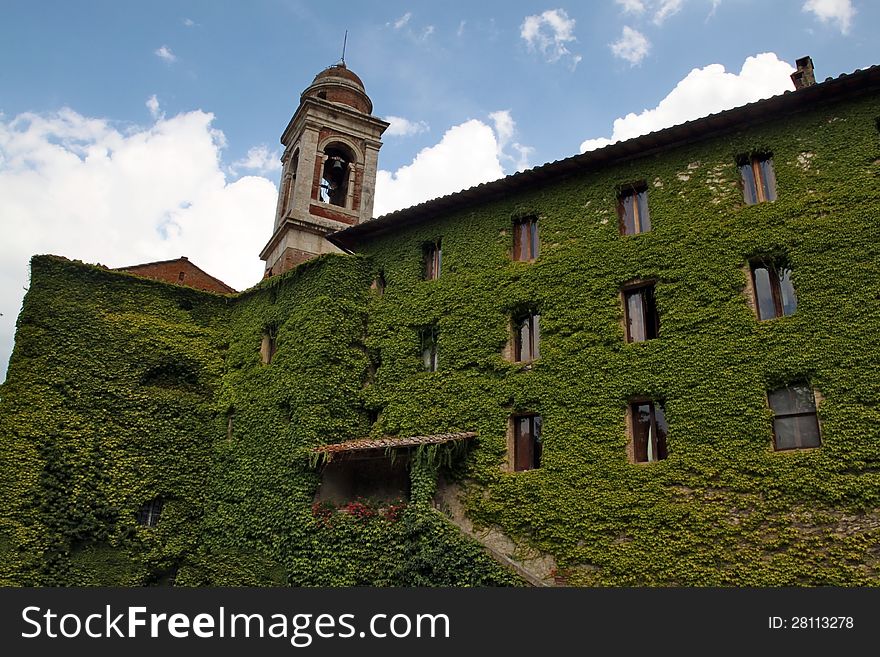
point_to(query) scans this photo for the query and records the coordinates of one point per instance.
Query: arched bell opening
(335, 175)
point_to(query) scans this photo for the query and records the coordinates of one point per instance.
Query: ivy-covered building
(651, 364)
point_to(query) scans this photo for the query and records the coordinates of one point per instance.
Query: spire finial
(344, 42)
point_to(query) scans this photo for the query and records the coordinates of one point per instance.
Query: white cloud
(632, 46)
(715, 5)
(403, 20)
(401, 127)
(505, 129)
(460, 31)
(549, 33)
(827, 11)
(665, 9)
(259, 159)
(164, 53)
(405, 26)
(660, 10)
(82, 188)
(468, 154)
(153, 105)
(189, 22)
(704, 91)
(631, 6)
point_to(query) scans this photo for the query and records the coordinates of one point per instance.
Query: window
(640, 311)
(526, 337)
(429, 348)
(379, 283)
(181, 276)
(648, 427)
(525, 239)
(526, 442)
(334, 177)
(758, 179)
(148, 514)
(774, 292)
(632, 209)
(432, 258)
(284, 198)
(795, 424)
(268, 346)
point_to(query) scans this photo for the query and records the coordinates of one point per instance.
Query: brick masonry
(181, 272)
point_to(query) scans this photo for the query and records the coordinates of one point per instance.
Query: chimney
(803, 76)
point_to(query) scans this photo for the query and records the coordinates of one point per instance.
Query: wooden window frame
(428, 339)
(661, 446)
(268, 346)
(526, 250)
(531, 460)
(776, 274)
(814, 398)
(533, 351)
(761, 185)
(149, 512)
(638, 288)
(641, 219)
(432, 259)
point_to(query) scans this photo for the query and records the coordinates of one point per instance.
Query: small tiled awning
(388, 443)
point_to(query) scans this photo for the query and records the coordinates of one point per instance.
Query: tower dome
(338, 84)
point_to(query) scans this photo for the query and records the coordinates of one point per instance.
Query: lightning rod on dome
(344, 41)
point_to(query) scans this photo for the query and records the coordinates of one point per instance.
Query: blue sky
(132, 132)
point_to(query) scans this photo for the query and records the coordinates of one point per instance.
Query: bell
(337, 166)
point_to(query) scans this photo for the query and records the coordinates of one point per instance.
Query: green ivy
(724, 508)
(121, 389)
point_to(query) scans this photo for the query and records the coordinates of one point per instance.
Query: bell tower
(328, 175)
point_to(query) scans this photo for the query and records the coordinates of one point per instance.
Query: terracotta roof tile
(391, 442)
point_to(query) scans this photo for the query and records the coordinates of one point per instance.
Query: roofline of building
(129, 268)
(845, 85)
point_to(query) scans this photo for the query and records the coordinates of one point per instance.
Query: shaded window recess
(284, 200)
(370, 474)
(795, 424)
(378, 285)
(373, 415)
(148, 514)
(181, 276)
(527, 442)
(640, 313)
(648, 431)
(758, 178)
(322, 95)
(334, 177)
(632, 209)
(525, 239)
(428, 339)
(230, 424)
(432, 259)
(268, 346)
(526, 337)
(294, 165)
(287, 185)
(171, 374)
(773, 289)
